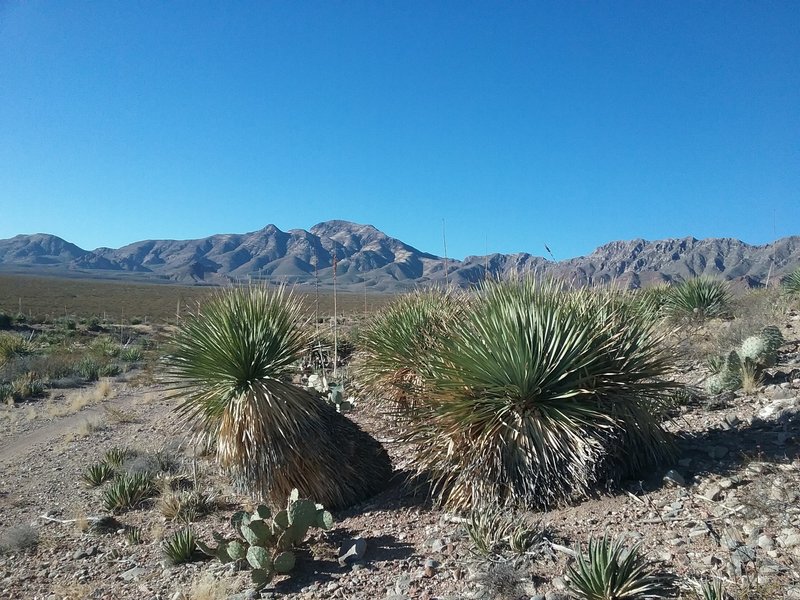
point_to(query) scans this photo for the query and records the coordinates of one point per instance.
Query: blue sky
(518, 124)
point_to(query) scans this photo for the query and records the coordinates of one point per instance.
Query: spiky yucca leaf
(230, 365)
(791, 283)
(128, 491)
(610, 571)
(397, 345)
(697, 299)
(537, 395)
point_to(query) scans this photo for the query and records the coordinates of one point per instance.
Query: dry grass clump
(208, 587)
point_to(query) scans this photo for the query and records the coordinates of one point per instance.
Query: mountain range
(365, 256)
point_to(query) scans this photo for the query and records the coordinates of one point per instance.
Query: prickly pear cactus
(729, 377)
(773, 337)
(755, 348)
(266, 540)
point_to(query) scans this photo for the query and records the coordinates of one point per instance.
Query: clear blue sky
(519, 123)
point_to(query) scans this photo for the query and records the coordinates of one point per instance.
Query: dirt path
(45, 430)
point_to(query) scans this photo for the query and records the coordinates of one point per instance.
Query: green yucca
(791, 283)
(610, 571)
(712, 590)
(396, 347)
(231, 365)
(697, 299)
(536, 395)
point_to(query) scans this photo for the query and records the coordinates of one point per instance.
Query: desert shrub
(109, 370)
(88, 368)
(5, 321)
(6, 393)
(502, 580)
(116, 456)
(538, 394)
(181, 547)
(104, 346)
(231, 365)
(184, 505)
(27, 386)
(93, 324)
(791, 283)
(652, 299)
(610, 571)
(12, 346)
(698, 299)
(18, 538)
(131, 354)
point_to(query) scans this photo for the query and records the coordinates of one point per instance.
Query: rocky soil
(727, 508)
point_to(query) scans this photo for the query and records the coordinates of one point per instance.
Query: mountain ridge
(366, 256)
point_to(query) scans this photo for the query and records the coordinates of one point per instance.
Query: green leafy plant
(97, 474)
(537, 394)
(698, 299)
(610, 571)
(131, 354)
(231, 364)
(265, 541)
(791, 283)
(180, 547)
(12, 346)
(128, 491)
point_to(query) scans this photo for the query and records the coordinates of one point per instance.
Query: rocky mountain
(365, 256)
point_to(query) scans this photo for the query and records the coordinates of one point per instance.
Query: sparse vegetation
(18, 538)
(97, 474)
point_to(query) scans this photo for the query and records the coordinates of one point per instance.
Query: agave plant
(181, 547)
(97, 474)
(536, 395)
(610, 571)
(791, 283)
(698, 299)
(128, 491)
(231, 367)
(397, 346)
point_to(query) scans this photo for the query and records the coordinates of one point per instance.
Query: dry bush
(72, 590)
(119, 416)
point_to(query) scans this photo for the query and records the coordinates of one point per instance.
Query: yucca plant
(398, 344)
(698, 299)
(128, 491)
(610, 571)
(538, 394)
(98, 474)
(231, 365)
(180, 547)
(791, 283)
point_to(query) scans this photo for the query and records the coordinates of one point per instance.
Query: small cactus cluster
(756, 353)
(265, 540)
